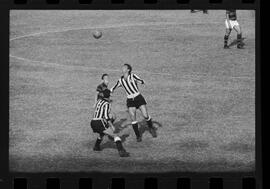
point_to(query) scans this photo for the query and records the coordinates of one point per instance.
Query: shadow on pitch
(234, 42)
(111, 144)
(119, 127)
(143, 126)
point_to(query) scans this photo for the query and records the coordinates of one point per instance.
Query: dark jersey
(100, 88)
(231, 14)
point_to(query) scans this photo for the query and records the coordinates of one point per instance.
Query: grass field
(201, 96)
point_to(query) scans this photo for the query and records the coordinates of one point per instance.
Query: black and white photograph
(133, 91)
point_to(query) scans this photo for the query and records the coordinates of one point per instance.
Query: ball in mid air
(97, 34)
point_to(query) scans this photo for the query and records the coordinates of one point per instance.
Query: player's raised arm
(137, 78)
(118, 84)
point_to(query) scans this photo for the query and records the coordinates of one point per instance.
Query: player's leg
(132, 113)
(97, 127)
(227, 34)
(149, 122)
(239, 35)
(98, 142)
(121, 150)
(205, 11)
(226, 37)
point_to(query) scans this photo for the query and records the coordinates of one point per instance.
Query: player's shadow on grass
(111, 144)
(234, 42)
(143, 127)
(119, 127)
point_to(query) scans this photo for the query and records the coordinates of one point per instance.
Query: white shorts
(231, 24)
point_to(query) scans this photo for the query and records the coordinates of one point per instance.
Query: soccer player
(232, 23)
(205, 11)
(135, 100)
(102, 124)
(101, 87)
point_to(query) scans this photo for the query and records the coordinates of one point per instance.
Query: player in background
(232, 23)
(129, 82)
(101, 87)
(204, 11)
(102, 124)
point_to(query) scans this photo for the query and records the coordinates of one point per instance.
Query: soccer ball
(97, 34)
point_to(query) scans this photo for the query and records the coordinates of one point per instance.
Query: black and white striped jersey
(102, 110)
(129, 84)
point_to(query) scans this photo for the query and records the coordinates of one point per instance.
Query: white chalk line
(87, 68)
(96, 27)
(100, 27)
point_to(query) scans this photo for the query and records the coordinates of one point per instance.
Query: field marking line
(84, 68)
(103, 27)
(96, 27)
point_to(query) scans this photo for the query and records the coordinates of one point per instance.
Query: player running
(102, 123)
(134, 99)
(232, 23)
(101, 87)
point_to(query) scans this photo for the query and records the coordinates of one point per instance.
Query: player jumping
(102, 124)
(134, 99)
(232, 23)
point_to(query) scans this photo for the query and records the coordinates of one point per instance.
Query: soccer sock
(136, 128)
(98, 141)
(118, 143)
(149, 122)
(239, 37)
(226, 37)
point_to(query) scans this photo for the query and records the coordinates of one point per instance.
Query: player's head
(126, 69)
(105, 78)
(106, 93)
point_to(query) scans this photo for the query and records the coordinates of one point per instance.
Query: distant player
(101, 87)
(135, 100)
(204, 11)
(232, 23)
(102, 124)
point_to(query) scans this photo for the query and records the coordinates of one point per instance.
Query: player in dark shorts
(232, 23)
(101, 87)
(129, 82)
(102, 124)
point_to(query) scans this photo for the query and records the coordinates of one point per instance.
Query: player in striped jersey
(102, 124)
(135, 100)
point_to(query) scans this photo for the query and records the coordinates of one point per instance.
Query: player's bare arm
(96, 97)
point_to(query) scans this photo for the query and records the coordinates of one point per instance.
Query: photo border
(6, 177)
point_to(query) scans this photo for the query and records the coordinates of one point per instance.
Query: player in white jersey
(129, 82)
